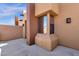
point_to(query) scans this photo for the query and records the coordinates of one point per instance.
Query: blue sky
(8, 11)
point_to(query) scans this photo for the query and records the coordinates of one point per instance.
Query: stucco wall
(55, 8)
(31, 24)
(41, 8)
(68, 34)
(8, 32)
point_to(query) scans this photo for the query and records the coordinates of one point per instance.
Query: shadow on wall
(9, 32)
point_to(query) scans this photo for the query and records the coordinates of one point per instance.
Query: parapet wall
(9, 32)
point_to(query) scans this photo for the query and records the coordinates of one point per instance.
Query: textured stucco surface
(46, 41)
(41, 8)
(9, 32)
(68, 33)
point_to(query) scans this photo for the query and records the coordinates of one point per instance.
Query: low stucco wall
(9, 32)
(46, 41)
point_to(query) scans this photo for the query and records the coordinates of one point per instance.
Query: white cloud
(8, 11)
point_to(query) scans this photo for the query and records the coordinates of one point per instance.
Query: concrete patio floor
(19, 47)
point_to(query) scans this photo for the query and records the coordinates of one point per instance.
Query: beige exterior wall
(9, 32)
(55, 8)
(24, 22)
(42, 8)
(68, 34)
(24, 17)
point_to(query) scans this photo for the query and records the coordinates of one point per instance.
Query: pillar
(48, 27)
(31, 24)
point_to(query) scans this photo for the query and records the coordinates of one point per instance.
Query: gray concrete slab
(19, 47)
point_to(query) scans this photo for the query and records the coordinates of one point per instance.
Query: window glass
(42, 24)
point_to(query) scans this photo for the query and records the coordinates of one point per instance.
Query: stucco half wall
(9, 32)
(68, 34)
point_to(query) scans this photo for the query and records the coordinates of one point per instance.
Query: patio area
(19, 47)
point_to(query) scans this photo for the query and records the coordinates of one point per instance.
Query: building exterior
(16, 21)
(38, 19)
(24, 23)
(20, 22)
(61, 20)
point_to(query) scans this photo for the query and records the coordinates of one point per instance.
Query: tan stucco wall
(55, 8)
(41, 8)
(68, 34)
(9, 32)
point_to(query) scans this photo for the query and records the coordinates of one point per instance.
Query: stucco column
(48, 23)
(32, 24)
